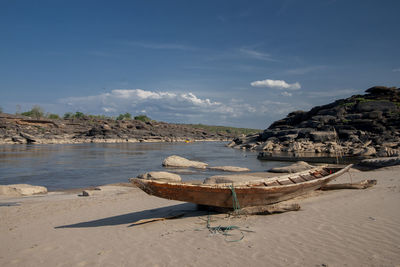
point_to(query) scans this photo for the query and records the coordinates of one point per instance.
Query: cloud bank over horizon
(253, 111)
(182, 107)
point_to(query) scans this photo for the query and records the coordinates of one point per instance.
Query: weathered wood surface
(255, 193)
(358, 185)
(268, 209)
(143, 221)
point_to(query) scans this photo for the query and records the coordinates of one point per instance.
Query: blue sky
(237, 63)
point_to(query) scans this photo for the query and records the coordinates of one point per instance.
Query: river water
(83, 165)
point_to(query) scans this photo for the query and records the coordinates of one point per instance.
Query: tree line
(37, 112)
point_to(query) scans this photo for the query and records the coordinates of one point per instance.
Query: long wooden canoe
(253, 193)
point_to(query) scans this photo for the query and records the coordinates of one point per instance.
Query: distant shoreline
(109, 141)
(25, 130)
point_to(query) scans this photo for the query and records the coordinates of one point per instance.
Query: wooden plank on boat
(324, 172)
(317, 175)
(271, 183)
(307, 177)
(296, 179)
(284, 182)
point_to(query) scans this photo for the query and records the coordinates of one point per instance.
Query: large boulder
(319, 136)
(160, 176)
(229, 169)
(380, 162)
(382, 90)
(365, 151)
(296, 167)
(177, 161)
(21, 190)
(29, 138)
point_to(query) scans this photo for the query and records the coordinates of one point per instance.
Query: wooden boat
(253, 193)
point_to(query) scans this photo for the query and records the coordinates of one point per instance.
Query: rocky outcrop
(362, 125)
(23, 130)
(160, 176)
(177, 161)
(15, 190)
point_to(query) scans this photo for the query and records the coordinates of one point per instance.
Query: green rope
(235, 200)
(224, 230)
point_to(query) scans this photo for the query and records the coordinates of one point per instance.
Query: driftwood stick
(143, 221)
(268, 209)
(358, 185)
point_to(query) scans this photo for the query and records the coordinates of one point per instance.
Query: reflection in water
(83, 165)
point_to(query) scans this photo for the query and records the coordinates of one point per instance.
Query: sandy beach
(333, 228)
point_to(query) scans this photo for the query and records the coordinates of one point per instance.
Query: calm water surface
(83, 165)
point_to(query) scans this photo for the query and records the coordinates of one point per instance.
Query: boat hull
(220, 195)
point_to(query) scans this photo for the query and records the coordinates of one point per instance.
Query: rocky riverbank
(21, 130)
(359, 126)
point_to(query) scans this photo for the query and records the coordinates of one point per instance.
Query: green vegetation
(364, 100)
(99, 117)
(225, 129)
(126, 116)
(53, 116)
(348, 104)
(1, 110)
(143, 118)
(77, 115)
(36, 112)
(68, 115)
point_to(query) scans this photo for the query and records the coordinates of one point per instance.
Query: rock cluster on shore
(361, 125)
(22, 130)
(21, 190)
(175, 161)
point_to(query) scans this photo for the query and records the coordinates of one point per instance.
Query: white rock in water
(176, 161)
(167, 176)
(296, 167)
(229, 169)
(21, 190)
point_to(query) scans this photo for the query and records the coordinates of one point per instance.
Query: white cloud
(161, 46)
(396, 70)
(286, 93)
(257, 55)
(305, 70)
(107, 109)
(276, 84)
(275, 107)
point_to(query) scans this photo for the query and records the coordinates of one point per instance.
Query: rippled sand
(333, 228)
